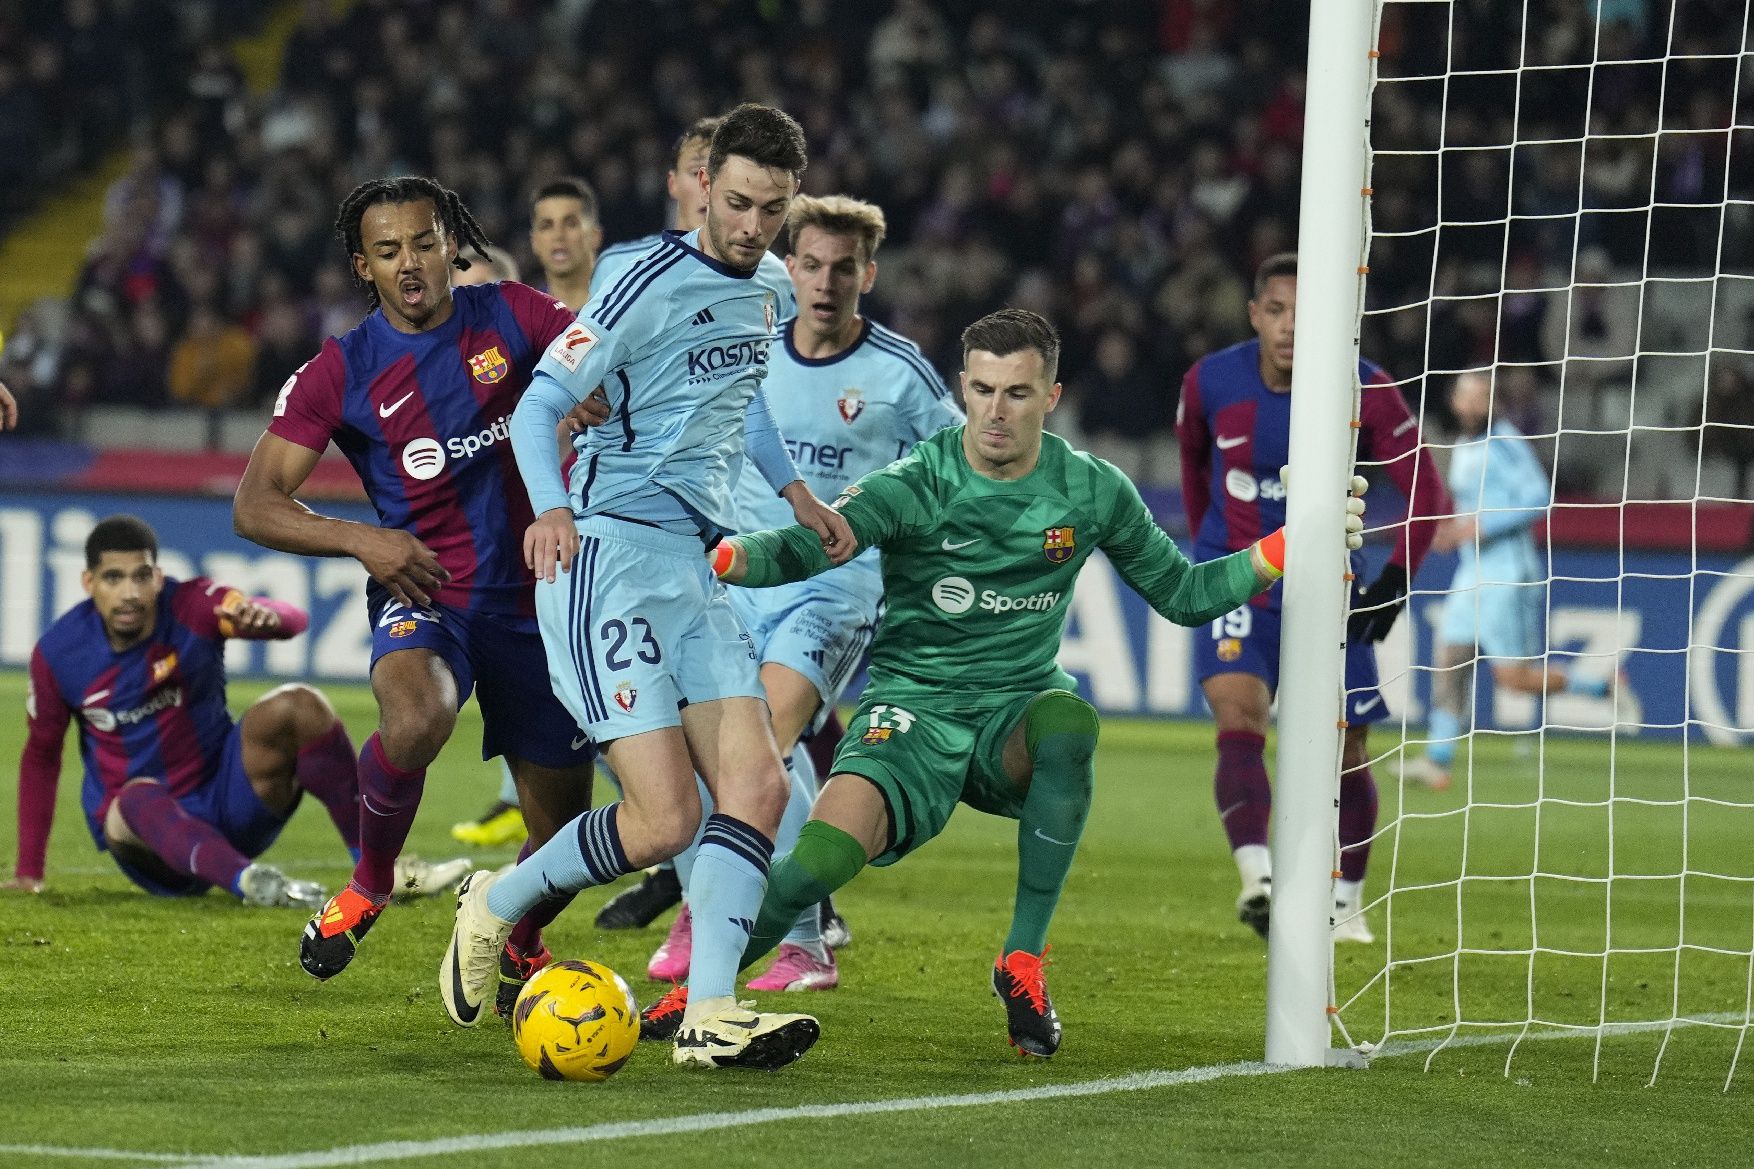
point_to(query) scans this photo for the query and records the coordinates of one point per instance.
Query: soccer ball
(576, 1021)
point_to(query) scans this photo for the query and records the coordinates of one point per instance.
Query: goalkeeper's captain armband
(1269, 553)
(724, 555)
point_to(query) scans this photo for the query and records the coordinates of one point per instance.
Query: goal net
(1562, 204)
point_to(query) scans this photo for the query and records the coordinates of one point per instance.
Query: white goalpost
(1557, 198)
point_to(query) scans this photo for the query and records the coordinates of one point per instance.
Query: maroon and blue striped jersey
(156, 709)
(1235, 435)
(422, 417)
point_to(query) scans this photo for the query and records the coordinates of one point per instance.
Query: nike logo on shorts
(1225, 444)
(1369, 704)
(580, 741)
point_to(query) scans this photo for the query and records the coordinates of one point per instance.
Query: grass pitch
(144, 1032)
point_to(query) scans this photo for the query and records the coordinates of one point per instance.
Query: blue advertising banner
(1682, 628)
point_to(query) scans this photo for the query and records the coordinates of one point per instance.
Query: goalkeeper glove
(1375, 608)
(723, 557)
(1268, 553)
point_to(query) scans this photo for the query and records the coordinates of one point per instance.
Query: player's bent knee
(1061, 712)
(296, 709)
(415, 729)
(116, 827)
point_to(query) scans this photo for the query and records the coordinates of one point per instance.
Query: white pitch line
(91, 1154)
(710, 1121)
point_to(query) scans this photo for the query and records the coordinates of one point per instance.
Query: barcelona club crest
(626, 695)
(852, 404)
(1059, 545)
(164, 667)
(488, 367)
(403, 628)
(876, 735)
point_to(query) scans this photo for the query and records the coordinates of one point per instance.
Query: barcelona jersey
(423, 419)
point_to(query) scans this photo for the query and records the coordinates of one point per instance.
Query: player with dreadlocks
(417, 397)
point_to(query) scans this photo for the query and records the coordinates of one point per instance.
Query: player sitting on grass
(180, 795)
(984, 529)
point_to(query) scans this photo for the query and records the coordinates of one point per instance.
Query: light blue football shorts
(639, 629)
(818, 630)
(1504, 620)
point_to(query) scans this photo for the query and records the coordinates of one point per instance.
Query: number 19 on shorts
(1230, 630)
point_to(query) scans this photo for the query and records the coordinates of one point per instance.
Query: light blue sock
(807, 931)
(508, 784)
(731, 876)
(1445, 729)
(586, 852)
(1588, 687)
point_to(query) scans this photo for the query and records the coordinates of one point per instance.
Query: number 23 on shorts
(622, 641)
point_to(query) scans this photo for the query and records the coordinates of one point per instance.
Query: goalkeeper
(984, 528)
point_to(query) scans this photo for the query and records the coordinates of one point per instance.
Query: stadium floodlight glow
(1565, 205)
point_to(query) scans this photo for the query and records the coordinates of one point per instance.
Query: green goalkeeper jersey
(978, 572)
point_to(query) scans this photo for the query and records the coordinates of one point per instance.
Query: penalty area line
(711, 1121)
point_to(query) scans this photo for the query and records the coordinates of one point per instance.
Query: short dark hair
(567, 187)
(762, 134)
(1282, 264)
(1010, 330)
(702, 131)
(120, 533)
(453, 215)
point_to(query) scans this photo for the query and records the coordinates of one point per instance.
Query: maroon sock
(388, 799)
(526, 936)
(190, 846)
(328, 768)
(823, 744)
(1245, 798)
(1357, 821)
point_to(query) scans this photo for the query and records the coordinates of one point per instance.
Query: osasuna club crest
(626, 694)
(852, 404)
(488, 367)
(1058, 544)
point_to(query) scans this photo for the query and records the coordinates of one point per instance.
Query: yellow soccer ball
(576, 1021)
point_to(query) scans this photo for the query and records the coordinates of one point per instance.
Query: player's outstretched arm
(552, 538)
(767, 450)
(259, 618)
(760, 560)
(1193, 594)
(39, 774)
(265, 512)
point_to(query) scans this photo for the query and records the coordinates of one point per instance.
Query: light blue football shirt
(1497, 476)
(680, 344)
(843, 417)
(616, 259)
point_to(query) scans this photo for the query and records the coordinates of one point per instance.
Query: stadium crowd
(1120, 167)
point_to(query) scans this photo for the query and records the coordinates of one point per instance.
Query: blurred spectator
(1124, 412)
(1120, 168)
(212, 365)
(1728, 418)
